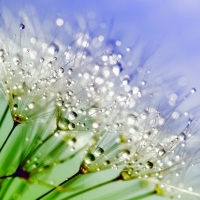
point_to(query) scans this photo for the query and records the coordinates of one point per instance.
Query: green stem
(8, 176)
(10, 133)
(92, 188)
(45, 194)
(42, 143)
(105, 183)
(4, 115)
(142, 196)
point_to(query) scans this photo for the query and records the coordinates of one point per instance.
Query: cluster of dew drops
(88, 86)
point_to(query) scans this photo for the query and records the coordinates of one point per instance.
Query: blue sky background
(170, 26)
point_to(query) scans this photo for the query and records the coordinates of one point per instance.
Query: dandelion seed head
(87, 88)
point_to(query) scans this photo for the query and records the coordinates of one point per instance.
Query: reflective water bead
(89, 158)
(177, 173)
(161, 152)
(53, 48)
(59, 22)
(41, 59)
(61, 70)
(182, 136)
(22, 26)
(71, 126)
(72, 141)
(15, 106)
(98, 151)
(106, 162)
(95, 125)
(70, 71)
(31, 105)
(131, 119)
(16, 60)
(149, 165)
(72, 115)
(126, 80)
(63, 124)
(1, 52)
(125, 153)
(143, 83)
(193, 90)
(117, 69)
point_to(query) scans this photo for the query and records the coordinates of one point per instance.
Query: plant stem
(142, 196)
(10, 133)
(92, 188)
(74, 176)
(105, 183)
(42, 143)
(8, 176)
(4, 115)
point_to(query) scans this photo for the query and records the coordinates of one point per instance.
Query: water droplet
(59, 22)
(15, 106)
(126, 80)
(143, 83)
(70, 71)
(53, 48)
(193, 90)
(41, 59)
(149, 165)
(161, 152)
(117, 69)
(125, 153)
(106, 162)
(16, 60)
(177, 173)
(22, 26)
(31, 105)
(95, 125)
(72, 115)
(98, 151)
(63, 123)
(61, 70)
(175, 115)
(89, 158)
(72, 141)
(71, 126)
(72, 148)
(1, 52)
(182, 136)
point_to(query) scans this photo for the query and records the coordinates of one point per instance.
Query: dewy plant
(82, 117)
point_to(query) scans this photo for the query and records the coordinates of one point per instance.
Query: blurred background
(171, 29)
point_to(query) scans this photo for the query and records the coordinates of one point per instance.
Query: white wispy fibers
(88, 104)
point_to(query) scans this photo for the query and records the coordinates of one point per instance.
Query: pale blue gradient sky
(171, 25)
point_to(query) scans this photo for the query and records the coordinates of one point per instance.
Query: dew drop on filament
(15, 107)
(63, 124)
(22, 26)
(149, 165)
(31, 105)
(89, 158)
(72, 115)
(193, 90)
(98, 151)
(71, 126)
(1, 52)
(53, 48)
(161, 152)
(72, 141)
